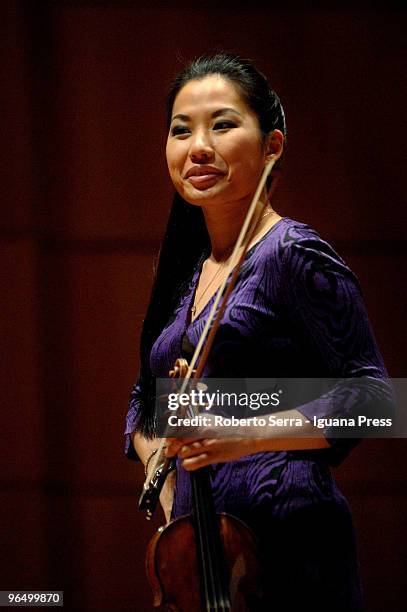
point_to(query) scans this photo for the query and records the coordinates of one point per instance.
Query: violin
(216, 552)
(216, 555)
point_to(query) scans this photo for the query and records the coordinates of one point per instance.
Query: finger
(173, 448)
(195, 463)
(177, 444)
(189, 450)
(181, 441)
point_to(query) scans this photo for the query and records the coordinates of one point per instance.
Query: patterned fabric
(296, 311)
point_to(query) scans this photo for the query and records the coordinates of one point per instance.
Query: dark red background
(85, 198)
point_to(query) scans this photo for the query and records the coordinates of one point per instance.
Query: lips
(201, 175)
(202, 171)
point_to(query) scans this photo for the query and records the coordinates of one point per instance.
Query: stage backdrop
(85, 198)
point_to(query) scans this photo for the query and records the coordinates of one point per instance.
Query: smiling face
(215, 151)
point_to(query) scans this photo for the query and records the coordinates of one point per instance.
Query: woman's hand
(196, 453)
(210, 445)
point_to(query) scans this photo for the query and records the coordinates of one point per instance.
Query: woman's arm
(200, 451)
(145, 449)
(140, 447)
(323, 303)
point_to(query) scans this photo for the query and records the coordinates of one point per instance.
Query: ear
(274, 145)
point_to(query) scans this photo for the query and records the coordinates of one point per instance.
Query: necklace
(267, 213)
(214, 277)
(217, 273)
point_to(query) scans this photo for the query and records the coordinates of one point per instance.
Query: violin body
(173, 568)
(202, 562)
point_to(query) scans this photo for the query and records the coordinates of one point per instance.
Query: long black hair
(186, 240)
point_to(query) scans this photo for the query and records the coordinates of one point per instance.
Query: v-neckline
(195, 280)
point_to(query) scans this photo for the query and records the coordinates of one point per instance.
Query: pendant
(193, 310)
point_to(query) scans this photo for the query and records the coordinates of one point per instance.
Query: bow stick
(160, 464)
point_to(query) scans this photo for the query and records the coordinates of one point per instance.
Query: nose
(201, 148)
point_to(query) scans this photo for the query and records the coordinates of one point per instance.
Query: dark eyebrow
(221, 111)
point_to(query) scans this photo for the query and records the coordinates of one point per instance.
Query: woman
(296, 310)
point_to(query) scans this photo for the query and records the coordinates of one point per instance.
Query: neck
(224, 226)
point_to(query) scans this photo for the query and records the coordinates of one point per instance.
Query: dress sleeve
(133, 419)
(326, 310)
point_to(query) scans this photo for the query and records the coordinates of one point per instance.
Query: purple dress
(296, 311)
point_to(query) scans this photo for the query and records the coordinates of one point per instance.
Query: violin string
(206, 579)
(206, 533)
(212, 553)
(213, 548)
(213, 560)
(203, 548)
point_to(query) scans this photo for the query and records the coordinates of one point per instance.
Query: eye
(224, 125)
(179, 130)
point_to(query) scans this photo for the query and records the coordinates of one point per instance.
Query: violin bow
(160, 464)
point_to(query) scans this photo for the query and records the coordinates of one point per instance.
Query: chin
(199, 197)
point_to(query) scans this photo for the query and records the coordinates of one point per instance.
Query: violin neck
(214, 583)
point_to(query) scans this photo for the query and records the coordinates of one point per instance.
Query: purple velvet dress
(296, 311)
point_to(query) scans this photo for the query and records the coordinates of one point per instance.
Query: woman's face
(215, 152)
